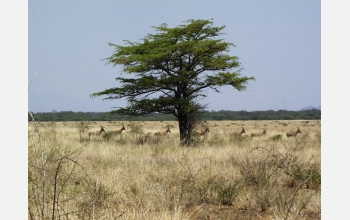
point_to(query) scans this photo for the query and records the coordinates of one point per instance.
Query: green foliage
(303, 174)
(228, 194)
(276, 137)
(205, 116)
(307, 174)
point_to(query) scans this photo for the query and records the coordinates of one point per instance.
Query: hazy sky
(278, 42)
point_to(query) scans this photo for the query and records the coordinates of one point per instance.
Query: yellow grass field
(138, 175)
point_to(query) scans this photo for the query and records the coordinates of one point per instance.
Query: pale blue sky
(278, 42)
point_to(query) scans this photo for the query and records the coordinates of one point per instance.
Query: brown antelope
(257, 134)
(163, 132)
(293, 133)
(202, 133)
(239, 133)
(119, 131)
(96, 133)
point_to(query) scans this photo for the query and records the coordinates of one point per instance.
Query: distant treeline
(205, 116)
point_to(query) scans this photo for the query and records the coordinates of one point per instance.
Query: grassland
(137, 175)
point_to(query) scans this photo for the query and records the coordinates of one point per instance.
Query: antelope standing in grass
(257, 134)
(163, 132)
(96, 133)
(293, 133)
(119, 131)
(239, 133)
(202, 133)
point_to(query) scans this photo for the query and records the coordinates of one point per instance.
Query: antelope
(119, 131)
(236, 133)
(202, 133)
(257, 134)
(293, 133)
(97, 133)
(163, 132)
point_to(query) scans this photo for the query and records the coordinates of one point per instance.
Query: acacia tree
(171, 69)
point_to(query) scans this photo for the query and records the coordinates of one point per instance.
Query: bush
(227, 194)
(276, 137)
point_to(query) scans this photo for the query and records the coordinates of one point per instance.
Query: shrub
(227, 194)
(276, 137)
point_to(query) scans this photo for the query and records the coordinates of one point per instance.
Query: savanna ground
(137, 175)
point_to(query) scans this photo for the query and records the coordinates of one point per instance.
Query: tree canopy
(171, 69)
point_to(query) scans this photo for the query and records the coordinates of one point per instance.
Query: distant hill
(310, 108)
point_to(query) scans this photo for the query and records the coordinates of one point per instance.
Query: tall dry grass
(138, 175)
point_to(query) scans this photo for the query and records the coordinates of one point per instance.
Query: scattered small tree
(171, 69)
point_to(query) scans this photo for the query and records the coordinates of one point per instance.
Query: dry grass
(137, 175)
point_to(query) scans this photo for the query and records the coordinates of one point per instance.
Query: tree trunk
(185, 125)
